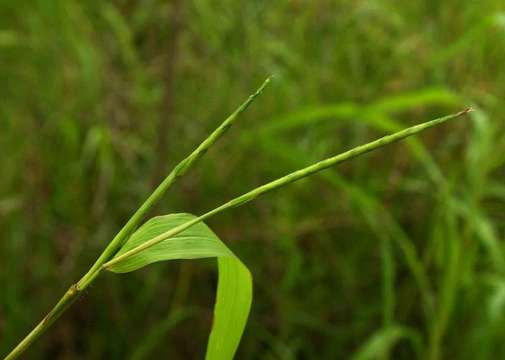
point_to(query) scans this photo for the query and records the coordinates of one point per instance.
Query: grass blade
(382, 342)
(234, 291)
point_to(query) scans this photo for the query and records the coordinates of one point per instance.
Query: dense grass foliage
(398, 253)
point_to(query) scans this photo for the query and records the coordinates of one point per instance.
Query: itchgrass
(75, 290)
(142, 253)
(402, 242)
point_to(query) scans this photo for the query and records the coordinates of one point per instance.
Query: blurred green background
(398, 254)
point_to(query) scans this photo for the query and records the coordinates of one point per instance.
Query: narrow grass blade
(234, 291)
(382, 342)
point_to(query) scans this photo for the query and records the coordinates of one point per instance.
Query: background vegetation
(398, 253)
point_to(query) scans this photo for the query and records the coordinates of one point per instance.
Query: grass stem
(285, 180)
(75, 290)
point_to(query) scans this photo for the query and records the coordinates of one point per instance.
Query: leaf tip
(466, 111)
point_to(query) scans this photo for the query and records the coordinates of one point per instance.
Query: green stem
(294, 176)
(75, 290)
(66, 300)
(176, 173)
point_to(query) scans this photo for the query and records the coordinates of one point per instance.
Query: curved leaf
(383, 341)
(234, 289)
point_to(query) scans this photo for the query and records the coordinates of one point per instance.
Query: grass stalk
(180, 169)
(287, 179)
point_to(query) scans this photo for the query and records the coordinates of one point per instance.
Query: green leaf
(234, 289)
(382, 342)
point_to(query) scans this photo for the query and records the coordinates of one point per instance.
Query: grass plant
(156, 241)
